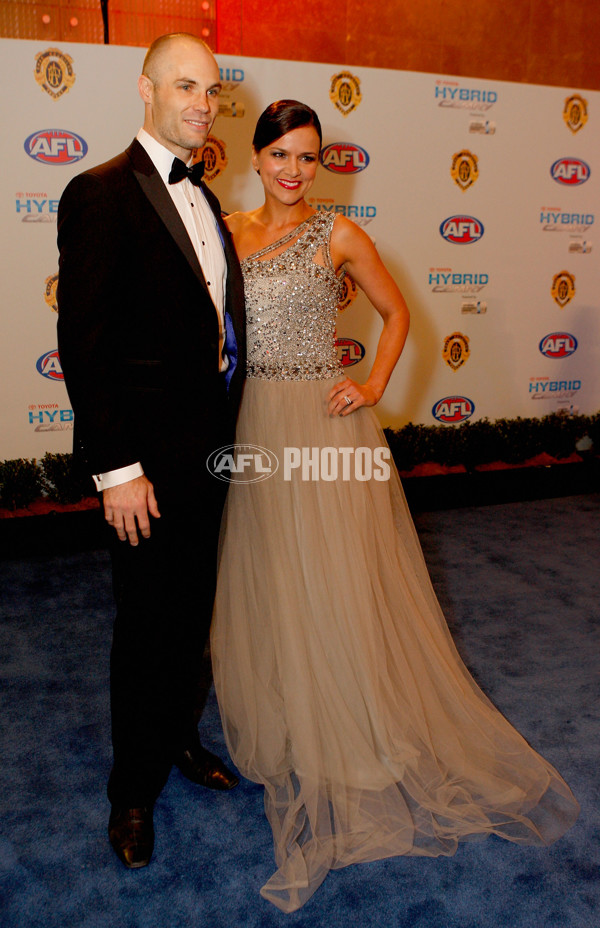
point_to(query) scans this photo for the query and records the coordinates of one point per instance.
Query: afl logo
(570, 171)
(558, 345)
(344, 158)
(453, 409)
(242, 463)
(55, 146)
(349, 351)
(49, 366)
(461, 230)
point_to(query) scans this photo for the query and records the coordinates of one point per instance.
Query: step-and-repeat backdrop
(482, 197)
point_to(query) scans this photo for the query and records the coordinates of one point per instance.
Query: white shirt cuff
(114, 478)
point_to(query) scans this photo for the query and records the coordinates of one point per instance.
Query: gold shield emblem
(575, 112)
(50, 285)
(349, 291)
(54, 72)
(563, 288)
(464, 170)
(344, 92)
(215, 159)
(456, 350)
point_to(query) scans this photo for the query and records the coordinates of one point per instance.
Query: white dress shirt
(201, 226)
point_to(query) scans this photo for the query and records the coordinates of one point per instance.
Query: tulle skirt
(339, 686)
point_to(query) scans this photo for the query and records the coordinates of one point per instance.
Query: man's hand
(129, 506)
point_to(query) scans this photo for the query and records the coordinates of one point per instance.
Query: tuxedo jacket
(138, 331)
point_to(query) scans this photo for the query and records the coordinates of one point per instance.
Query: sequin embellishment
(291, 306)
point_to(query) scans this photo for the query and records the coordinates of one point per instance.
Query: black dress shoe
(200, 766)
(131, 833)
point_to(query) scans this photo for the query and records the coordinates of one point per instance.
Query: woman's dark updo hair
(280, 118)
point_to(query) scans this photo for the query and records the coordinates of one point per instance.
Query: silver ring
(348, 401)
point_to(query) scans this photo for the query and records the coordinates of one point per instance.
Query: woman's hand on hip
(347, 396)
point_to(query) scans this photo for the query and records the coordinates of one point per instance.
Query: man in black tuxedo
(150, 301)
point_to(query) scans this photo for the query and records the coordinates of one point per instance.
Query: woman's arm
(352, 249)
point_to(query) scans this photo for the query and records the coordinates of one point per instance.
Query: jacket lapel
(151, 183)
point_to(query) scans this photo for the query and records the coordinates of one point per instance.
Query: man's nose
(201, 102)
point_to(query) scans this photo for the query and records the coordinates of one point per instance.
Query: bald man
(151, 340)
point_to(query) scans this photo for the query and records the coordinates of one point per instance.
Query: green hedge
(511, 441)
(56, 477)
(63, 481)
(20, 483)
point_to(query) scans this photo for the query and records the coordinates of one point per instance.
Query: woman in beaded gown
(339, 686)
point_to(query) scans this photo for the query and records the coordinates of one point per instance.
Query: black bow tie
(179, 170)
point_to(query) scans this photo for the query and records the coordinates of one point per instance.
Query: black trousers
(164, 591)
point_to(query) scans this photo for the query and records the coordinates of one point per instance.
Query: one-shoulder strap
(297, 233)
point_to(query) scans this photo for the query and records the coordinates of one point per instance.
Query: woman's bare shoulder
(240, 222)
(234, 221)
(348, 241)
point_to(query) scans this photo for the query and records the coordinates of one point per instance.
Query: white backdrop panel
(410, 126)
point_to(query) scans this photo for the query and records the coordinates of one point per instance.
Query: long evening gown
(339, 686)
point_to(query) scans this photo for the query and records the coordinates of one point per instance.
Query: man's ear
(145, 88)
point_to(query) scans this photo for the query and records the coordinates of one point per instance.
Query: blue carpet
(520, 586)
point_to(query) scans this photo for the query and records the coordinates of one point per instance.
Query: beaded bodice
(291, 305)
